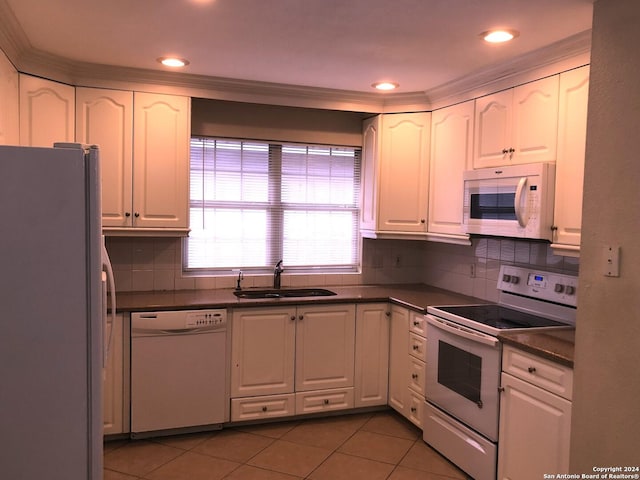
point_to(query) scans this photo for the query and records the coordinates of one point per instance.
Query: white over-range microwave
(511, 201)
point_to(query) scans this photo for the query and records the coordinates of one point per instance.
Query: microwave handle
(518, 202)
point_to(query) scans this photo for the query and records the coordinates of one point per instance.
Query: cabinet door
(113, 393)
(105, 118)
(451, 155)
(492, 129)
(535, 121)
(372, 354)
(262, 351)
(9, 103)
(369, 172)
(534, 431)
(47, 112)
(399, 360)
(572, 136)
(161, 160)
(404, 172)
(325, 347)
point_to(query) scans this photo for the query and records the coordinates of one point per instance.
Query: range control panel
(550, 286)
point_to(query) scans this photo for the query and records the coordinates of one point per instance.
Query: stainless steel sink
(283, 293)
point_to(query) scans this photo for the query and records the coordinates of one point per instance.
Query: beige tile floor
(370, 446)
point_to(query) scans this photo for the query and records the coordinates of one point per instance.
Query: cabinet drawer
(417, 324)
(324, 400)
(417, 371)
(418, 346)
(268, 406)
(539, 371)
(416, 408)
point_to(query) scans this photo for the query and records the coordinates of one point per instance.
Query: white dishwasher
(178, 371)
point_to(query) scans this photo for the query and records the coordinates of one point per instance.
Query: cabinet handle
(422, 220)
(127, 214)
(505, 151)
(300, 317)
(416, 324)
(388, 314)
(293, 317)
(326, 401)
(136, 214)
(416, 347)
(500, 389)
(414, 376)
(414, 409)
(264, 409)
(532, 369)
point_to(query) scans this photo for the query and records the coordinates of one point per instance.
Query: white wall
(606, 408)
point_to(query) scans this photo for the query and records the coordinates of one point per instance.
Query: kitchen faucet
(277, 272)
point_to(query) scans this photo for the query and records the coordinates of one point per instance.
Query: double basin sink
(283, 293)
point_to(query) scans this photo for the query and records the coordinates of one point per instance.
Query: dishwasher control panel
(178, 321)
(206, 318)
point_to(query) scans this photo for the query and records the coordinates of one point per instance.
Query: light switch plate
(611, 261)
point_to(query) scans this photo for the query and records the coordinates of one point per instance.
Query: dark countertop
(414, 296)
(555, 345)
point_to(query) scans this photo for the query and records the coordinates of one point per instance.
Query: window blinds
(253, 203)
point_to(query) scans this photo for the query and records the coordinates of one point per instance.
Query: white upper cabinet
(9, 103)
(396, 175)
(451, 155)
(161, 132)
(105, 118)
(519, 125)
(371, 130)
(47, 112)
(144, 151)
(572, 135)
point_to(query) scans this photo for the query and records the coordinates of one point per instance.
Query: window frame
(276, 209)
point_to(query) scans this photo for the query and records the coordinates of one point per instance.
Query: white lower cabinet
(535, 417)
(371, 380)
(115, 406)
(407, 364)
(292, 360)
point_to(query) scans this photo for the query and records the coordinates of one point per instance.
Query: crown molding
(566, 54)
(563, 55)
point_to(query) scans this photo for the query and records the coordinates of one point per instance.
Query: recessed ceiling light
(173, 62)
(499, 36)
(385, 85)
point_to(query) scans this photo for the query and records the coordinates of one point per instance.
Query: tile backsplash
(143, 264)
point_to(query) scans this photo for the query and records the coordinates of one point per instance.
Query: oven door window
(460, 371)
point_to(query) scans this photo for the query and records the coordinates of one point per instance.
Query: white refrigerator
(51, 313)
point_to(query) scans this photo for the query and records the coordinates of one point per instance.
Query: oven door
(463, 374)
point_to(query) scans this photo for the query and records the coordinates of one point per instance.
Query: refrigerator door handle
(107, 268)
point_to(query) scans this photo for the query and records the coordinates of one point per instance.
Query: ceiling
(329, 44)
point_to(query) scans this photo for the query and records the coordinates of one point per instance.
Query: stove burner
(500, 317)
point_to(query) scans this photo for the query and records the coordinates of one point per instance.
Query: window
(254, 203)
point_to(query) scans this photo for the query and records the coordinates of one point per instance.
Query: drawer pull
(532, 369)
(416, 324)
(416, 347)
(414, 409)
(264, 409)
(326, 401)
(414, 376)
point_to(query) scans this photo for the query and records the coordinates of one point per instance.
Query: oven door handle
(461, 331)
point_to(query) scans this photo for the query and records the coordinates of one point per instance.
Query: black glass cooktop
(500, 317)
